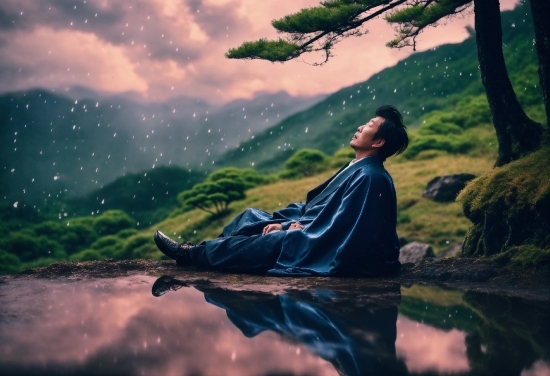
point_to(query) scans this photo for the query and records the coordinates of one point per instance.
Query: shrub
(108, 246)
(439, 127)
(78, 235)
(303, 163)
(27, 246)
(452, 144)
(218, 194)
(126, 233)
(87, 255)
(139, 246)
(251, 178)
(112, 221)
(220, 189)
(342, 156)
(9, 263)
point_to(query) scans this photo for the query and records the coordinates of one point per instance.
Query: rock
(414, 252)
(446, 188)
(452, 251)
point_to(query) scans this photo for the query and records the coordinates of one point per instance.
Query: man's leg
(249, 222)
(252, 254)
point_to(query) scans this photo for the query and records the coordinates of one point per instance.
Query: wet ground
(152, 318)
(463, 273)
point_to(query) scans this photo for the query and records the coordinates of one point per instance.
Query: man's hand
(296, 226)
(272, 227)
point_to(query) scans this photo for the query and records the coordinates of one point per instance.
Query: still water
(144, 325)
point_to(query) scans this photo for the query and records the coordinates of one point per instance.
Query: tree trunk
(517, 134)
(541, 14)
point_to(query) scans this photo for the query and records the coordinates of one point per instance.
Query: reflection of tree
(445, 317)
(512, 335)
(356, 335)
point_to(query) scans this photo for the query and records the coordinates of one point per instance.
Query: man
(346, 227)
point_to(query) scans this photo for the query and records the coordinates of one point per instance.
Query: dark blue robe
(349, 229)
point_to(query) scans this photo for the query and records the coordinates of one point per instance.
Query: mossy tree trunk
(517, 134)
(500, 220)
(540, 10)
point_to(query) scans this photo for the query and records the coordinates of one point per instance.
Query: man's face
(363, 138)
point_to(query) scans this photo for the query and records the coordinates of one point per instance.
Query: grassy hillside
(147, 196)
(88, 238)
(420, 219)
(445, 79)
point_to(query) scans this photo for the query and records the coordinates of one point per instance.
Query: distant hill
(147, 196)
(53, 144)
(418, 85)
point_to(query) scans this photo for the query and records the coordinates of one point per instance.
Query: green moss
(525, 256)
(509, 207)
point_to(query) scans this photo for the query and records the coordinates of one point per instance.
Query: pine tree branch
(340, 32)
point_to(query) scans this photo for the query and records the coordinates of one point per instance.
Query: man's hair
(392, 130)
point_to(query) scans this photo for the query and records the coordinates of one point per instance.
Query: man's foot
(174, 250)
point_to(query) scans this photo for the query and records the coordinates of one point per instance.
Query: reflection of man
(347, 225)
(355, 333)
(356, 339)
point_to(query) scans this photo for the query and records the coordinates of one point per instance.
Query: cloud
(426, 349)
(176, 47)
(75, 57)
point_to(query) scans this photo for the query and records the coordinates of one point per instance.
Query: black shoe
(174, 250)
(165, 284)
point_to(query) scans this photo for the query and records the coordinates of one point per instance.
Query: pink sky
(162, 48)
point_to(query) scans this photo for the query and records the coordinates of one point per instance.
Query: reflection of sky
(539, 368)
(426, 348)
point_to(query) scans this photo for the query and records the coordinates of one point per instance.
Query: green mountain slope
(147, 196)
(52, 145)
(434, 80)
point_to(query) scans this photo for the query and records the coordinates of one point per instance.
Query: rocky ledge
(463, 273)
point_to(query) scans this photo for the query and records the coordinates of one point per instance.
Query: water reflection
(514, 336)
(116, 326)
(356, 335)
(437, 331)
